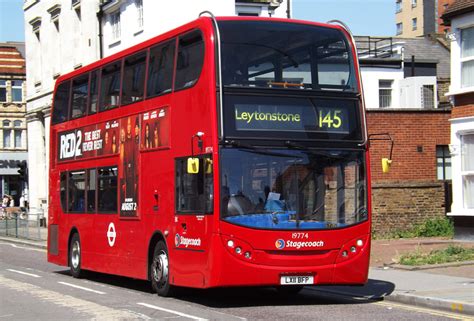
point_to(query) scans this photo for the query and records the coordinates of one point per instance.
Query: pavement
(446, 287)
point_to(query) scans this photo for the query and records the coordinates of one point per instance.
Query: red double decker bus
(227, 152)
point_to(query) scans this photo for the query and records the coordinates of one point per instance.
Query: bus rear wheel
(159, 270)
(75, 256)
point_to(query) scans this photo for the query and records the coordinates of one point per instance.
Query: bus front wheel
(160, 271)
(75, 256)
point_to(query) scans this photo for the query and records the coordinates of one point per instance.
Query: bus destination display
(303, 118)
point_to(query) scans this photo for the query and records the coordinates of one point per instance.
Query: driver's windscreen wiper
(259, 150)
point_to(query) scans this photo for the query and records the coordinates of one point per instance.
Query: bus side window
(190, 59)
(107, 190)
(160, 70)
(110, 86)
(61, 103)
(79, 96)
(63, 191)
(133, 78)
(94, 92)
(194, 192)
(91, 190)
(76, 191)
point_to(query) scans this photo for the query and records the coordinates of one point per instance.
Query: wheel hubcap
(76, 254)
(160, 271)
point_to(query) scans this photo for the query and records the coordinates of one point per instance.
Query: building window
(413, 3)
(414, 23)
(399, 28)
(17, 123)
(398, 6)
(443, 162)
(3, 90)
(139, 6)
(427, 96)
(6, 123)
(17, 91)
(18, 138)
(467, 57)
(7, 134)
(385, 93)
(467, 169)
(115, 23)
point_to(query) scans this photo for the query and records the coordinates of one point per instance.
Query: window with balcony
(467, 57)
(385, 93)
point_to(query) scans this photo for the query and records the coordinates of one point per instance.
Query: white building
(460, 16)
(63, 35)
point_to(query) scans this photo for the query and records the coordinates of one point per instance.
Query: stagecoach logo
(181, 240)
(281, 244)
(111, 234)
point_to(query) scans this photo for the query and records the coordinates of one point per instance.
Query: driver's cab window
(194, 185)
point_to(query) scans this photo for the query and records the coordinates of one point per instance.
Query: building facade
(13, 137)
(460, 16)
(415, 18)
(63, 35)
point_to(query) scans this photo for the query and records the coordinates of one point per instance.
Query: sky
(364, 17)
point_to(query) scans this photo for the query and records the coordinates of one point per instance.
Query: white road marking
(81, 287)
(24, 273)
(171, 311)
(80, 308)
(22, 247)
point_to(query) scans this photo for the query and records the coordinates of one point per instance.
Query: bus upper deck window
(110, 86)
(190, 60)
(160, 70)
(61, 103)
(133, 78)
(79, 96)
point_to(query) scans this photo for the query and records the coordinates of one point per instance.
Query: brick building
(416, 188)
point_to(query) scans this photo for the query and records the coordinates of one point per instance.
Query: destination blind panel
(292, 118)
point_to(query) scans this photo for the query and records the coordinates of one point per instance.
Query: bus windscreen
(266, 54)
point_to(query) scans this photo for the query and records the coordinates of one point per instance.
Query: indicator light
(238, 250)
(247, 255)
(353, 249)
(230, 243)
(360, 243)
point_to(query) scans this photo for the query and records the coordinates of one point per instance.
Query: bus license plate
(296, 279)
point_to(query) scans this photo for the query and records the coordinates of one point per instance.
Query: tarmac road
(31, 288)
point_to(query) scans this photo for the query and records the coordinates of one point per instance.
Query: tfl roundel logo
(177, 240)
(280, 244)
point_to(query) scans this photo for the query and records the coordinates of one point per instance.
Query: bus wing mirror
(193, 165)
(386, 162)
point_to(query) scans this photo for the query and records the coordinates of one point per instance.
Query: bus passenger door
(193, 220)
